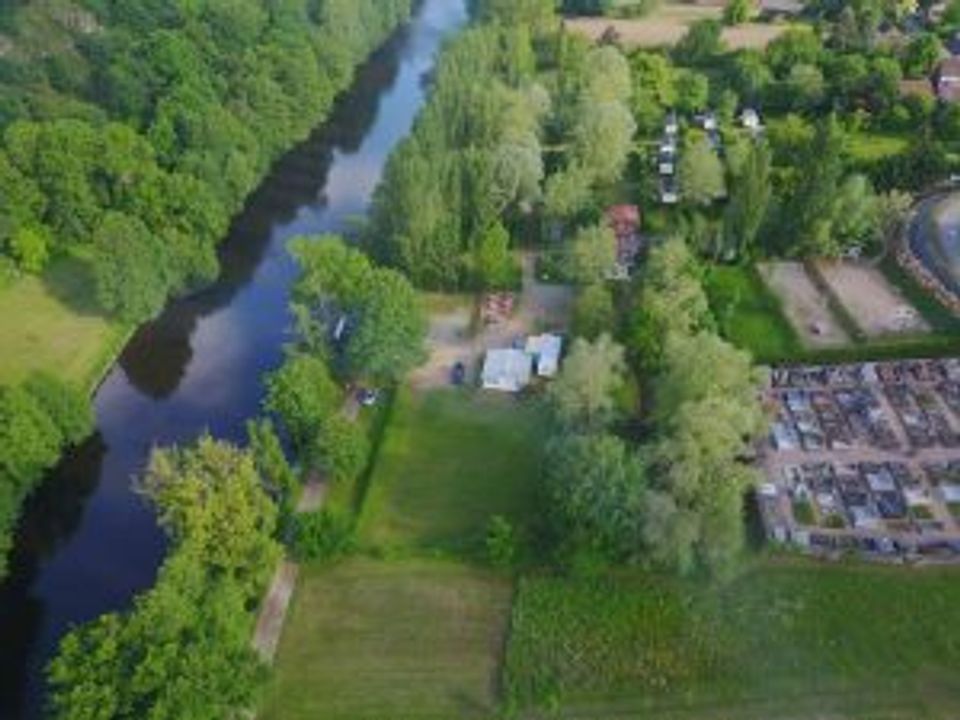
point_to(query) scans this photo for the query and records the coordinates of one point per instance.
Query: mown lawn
(450, 460)
(786, 639)
(52, 323)
(404, 640)
(867, 146)
(749, 315)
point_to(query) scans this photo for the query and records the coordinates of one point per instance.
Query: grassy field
(749, 314)
(787, 639)
(450, 460)
(52, 323)
(403, 640)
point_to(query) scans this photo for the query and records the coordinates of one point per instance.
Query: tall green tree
(129, 267)
(584, 397)
(303, 394)
(702, 176)
(388, 340)
(749, 201)
(592, 255)
(595, 485)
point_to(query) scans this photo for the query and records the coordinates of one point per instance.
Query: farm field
(786, 639)
(450, 460)
(667, 24)
(52, 324)
(406, 639)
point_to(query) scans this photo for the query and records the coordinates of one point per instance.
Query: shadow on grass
(71, 281)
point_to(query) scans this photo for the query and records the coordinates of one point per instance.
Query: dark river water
(88, 543)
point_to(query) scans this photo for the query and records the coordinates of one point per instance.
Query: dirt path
(274, 611)
(313, 495)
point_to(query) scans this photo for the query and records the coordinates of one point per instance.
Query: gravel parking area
(454, 338)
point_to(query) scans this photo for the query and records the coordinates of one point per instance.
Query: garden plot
(804, 305)
(875, 305)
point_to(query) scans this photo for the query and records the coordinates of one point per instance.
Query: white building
(750, 119)
(545, 351)
(507, 370)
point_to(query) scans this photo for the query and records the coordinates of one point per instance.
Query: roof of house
(545, 346)
(623, 214)
(947, 79)
(511, 368)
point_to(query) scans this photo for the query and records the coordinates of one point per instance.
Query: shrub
(501, 544)
(323, 535)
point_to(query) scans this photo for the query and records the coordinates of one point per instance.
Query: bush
(501, 544)
(323, 535)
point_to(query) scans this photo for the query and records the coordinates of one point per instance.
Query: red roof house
(624, 220)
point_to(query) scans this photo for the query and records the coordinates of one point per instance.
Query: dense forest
(135, 140)
(130, 133)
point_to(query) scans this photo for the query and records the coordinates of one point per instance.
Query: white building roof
(507, 370)
(545, 350)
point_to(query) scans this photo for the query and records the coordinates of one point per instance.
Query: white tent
(545, 350)
(507, 370)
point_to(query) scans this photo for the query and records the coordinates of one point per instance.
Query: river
(87, 542)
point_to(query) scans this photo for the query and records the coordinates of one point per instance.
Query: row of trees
(593, 123)
(355, 323)
(164, 120)
(38, 419)
(676, 499)
(184, 649)
(473, 156)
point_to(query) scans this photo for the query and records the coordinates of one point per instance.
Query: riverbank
(88, 544)
(51, 323)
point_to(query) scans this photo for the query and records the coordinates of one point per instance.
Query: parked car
(368, 397)
(459, 374)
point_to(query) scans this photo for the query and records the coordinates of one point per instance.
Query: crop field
(450, 460)
(405, 639)
(786, 639)
(669, 23)
(51, 323)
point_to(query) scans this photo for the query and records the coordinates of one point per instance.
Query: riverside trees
(474, 155)
(184, 650)
(38, 419)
